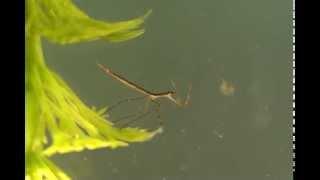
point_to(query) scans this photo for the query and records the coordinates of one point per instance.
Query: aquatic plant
(57, 121)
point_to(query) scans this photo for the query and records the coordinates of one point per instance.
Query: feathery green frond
(51, 105)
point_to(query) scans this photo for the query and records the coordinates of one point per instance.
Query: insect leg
(110, 108)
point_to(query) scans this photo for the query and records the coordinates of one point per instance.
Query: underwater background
(238, 57)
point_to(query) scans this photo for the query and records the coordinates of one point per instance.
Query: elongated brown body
(151, 95)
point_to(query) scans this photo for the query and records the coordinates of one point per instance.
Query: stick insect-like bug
(152, 96)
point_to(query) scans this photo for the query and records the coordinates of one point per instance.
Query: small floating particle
(183, 167)
(115, 170)
(226, 88)
(183, 131)
(219, 135)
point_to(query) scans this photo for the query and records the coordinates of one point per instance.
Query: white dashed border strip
(294, 88)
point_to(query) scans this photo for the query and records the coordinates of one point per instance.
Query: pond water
(238, 57)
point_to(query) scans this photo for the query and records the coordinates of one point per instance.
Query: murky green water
(243, 135)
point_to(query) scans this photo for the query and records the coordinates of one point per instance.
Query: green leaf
(57, 121)
(39, 167)
(62, 22)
